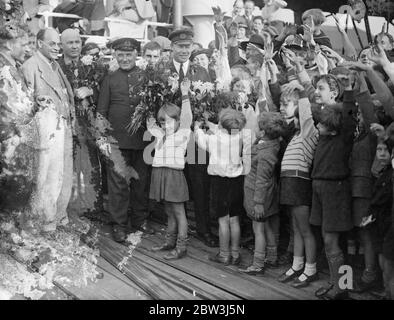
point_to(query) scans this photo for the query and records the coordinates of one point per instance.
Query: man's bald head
(71, 44)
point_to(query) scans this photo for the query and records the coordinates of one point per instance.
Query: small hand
(378, 130)
(292, 86)
(197, 124)
(185, 86)
(356, 65)
(83, 92)
(151, 122)
(378, 55)
(331, 53)
(258, 211)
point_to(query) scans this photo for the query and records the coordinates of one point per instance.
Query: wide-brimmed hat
(255, 39)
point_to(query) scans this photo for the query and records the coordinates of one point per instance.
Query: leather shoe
(236, 261)
(209, 240)
(253, 271)
(163, 247)
(146, 228)
(219, 259)
(302, 284)
(119, 234)
(175, 254)
(284, 278)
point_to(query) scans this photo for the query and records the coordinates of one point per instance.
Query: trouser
(199, 182)
(122, 193)
(55, 169)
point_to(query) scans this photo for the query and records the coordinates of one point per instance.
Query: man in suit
(117, 100)
(32, 7)
(196, 171)
(45, 77)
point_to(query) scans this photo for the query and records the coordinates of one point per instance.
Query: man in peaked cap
(196, 173)
(118, 98)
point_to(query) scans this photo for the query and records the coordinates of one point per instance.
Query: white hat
(280, 3)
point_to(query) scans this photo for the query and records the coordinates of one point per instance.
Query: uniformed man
(117, 100)
(196, 173)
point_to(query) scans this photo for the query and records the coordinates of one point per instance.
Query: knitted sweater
(332, 153)
(298, 157)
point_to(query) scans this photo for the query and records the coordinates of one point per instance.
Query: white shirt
(178, 66)
(229, 154)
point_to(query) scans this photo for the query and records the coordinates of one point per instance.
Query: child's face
(287, 108)
(382, 153)
(169, 125)
(241, 87)
(323, 94)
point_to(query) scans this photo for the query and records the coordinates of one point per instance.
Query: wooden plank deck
(145, 275)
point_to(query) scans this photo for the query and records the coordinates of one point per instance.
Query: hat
(164, 43)
(181, 35)
(125, 44)
(255, 39)
(242, 25)
(89, 46)
(196, 53)
(295, 42)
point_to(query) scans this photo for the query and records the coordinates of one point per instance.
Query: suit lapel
(42, 65)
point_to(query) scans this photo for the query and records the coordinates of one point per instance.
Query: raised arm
(186, 117)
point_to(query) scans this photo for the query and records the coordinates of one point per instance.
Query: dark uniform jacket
(117, 101)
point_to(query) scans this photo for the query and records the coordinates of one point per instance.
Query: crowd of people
(303, 141)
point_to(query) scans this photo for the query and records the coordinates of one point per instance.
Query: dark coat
(117, 101)
(261, 184)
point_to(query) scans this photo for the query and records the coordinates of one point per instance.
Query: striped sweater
(298, 157)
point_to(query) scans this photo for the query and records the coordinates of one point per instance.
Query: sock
(181, 243)
(235, 253)
(335, 261)
(224, 253)
(368, 276)
(298, 264)
(258, 259)
(310, 269)
(171, 238)
(272, 254)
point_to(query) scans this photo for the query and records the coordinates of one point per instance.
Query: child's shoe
(163, 247)
(305, 280)
(175, 254)
(220, 259)
(271, 264)
(253, 270)
(236, 261)
(284, 278)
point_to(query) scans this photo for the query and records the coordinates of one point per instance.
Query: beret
(181, 35)
(195, 53)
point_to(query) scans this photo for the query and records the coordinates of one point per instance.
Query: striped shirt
(298, 157)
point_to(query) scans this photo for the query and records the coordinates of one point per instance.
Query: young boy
(331, 198)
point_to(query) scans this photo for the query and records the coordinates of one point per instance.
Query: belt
(295, 173)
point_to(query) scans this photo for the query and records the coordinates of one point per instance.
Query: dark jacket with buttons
(117, 101)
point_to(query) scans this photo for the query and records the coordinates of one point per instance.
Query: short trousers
(331, 205)
(227, 196)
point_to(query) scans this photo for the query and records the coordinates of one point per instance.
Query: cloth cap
(195, 53)
(164, 42)
(255, 39)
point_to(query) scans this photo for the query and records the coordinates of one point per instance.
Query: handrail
(47, 14)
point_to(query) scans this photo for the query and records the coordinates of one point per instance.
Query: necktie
(181, 73)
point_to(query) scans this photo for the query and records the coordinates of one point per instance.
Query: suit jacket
(194, 72)
(42, 80)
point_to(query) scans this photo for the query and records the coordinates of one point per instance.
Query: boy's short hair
(152, 45)
(331, 117)
(317, 15)
(273, 124)
(332, 82)
(226, 100)
(384, 34)
(232, 120)
(258, 18)
(169, 109)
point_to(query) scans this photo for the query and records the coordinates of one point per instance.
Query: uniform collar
(185, 66)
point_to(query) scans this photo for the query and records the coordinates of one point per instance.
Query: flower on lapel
(76, 73)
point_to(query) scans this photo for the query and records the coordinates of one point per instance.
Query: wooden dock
(145, 275)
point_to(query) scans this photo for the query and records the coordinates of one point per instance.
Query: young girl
(229, 153)
(261, 196)
(168, 182)
(296, 192)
